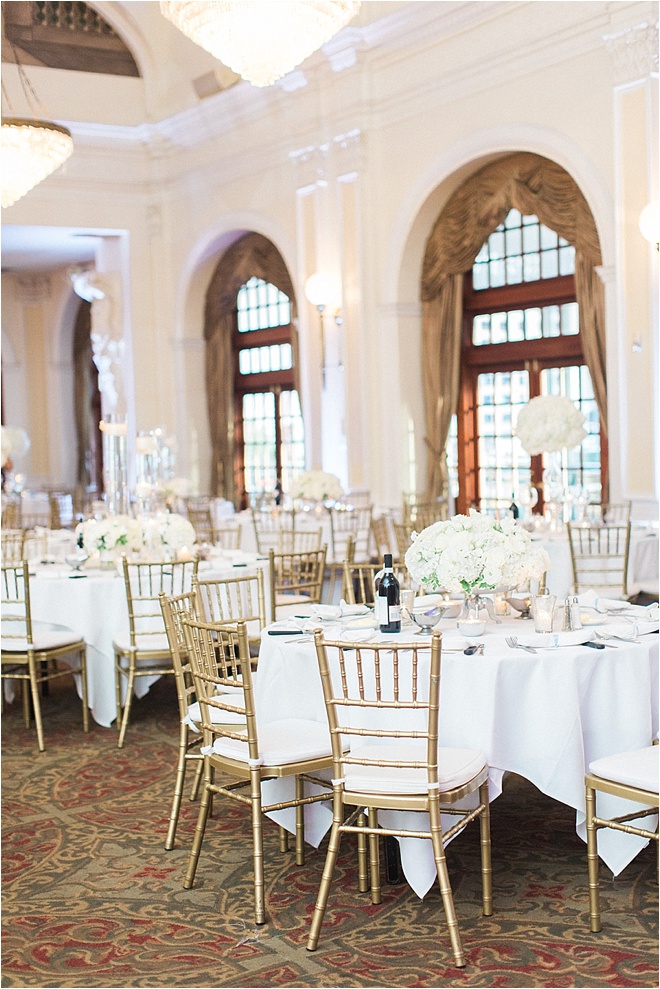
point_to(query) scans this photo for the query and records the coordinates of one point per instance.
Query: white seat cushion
(281, 743)
(144, 643)
(455, 767)
(638, 768)
(43, 639)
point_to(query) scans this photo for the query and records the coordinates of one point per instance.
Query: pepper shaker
(576, 621)
(567, 625)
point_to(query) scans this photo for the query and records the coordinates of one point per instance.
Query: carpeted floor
(91, 898)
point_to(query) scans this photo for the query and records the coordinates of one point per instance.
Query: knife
(596, 645)
(285, 631)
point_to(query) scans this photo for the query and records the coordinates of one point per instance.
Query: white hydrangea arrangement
(114, 534)
(549, 423)
(164, 535)
(474, 553)
(317, 485)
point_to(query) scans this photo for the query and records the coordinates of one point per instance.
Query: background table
(95, 607)
(544, 716)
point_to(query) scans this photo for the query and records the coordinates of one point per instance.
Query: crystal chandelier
(259, 39)
(31, 150)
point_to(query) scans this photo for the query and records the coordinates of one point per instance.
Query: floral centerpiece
(165, 535)
(316, 485)
(110, 536)
(474, 553)
(549, 423)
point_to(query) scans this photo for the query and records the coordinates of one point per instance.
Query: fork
(621, 638)
(512, 642)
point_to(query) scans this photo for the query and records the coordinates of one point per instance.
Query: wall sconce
(320, 291)
(649, 223)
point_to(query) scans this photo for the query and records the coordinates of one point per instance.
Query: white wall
(347, 174)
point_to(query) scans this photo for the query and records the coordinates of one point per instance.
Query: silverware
(471, 650)
(621, 638)
(512, 642)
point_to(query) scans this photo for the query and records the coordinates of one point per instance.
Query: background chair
(233, 599)
(421, 511)
(267, 526)
(12, 545)
(354, 524)
(145, 651)
(358, 581)
(219, 658)
(402, 533)
(610, 513)
(383, 539)
(226, 536)
(632, 776)
(599, 557)
(298, 540)
(190, 735)
(381, 702)
(30, 650)
(295, 579)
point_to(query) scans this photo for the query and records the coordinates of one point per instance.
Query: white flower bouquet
(474, 553)
(164, 535)
(316, 485)
(549, 423)
(115, 534)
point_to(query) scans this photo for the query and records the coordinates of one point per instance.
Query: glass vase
(115, 473)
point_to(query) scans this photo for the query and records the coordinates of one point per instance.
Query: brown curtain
(533, 185)
(251, 256)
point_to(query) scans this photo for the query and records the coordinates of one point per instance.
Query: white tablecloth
(95, 606)
(642, 567)
(544, 716)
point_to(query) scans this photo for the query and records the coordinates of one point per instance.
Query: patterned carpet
(91, 898)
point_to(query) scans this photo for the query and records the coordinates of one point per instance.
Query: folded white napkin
(328, 612)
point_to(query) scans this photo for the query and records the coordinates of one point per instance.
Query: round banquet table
(95, 606)
(544, 716)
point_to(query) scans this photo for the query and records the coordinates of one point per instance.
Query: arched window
(268, 426)
(520, 338)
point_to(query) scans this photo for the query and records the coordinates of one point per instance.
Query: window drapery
(251, 255)
(533, 185)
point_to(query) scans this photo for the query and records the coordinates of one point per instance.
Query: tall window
(268, 422)
(521, 338)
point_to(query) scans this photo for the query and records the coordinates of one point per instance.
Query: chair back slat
(144, 582)
(377, 694)
(175, 608)
(295, 576)
(16, 611)
(599, 557)
(232, 599)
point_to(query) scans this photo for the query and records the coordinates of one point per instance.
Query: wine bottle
(388, 605)
(513, 508)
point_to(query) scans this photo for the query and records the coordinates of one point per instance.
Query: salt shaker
(576, 621)
(567, 625)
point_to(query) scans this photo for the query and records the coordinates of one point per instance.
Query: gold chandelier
(259, 39)
(31, 150)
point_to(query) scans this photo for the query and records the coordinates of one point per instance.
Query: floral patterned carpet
(91, 898)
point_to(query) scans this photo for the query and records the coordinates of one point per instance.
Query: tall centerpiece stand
(115, 472)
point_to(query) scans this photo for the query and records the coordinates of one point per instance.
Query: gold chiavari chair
(383, 711)
(298, 540)
(358, 581)
(219, 659)
(61, 509)
(599, 558)
(199, 514)
(610, 513)
(233, 599)
(353, 524)
(190, 736)
(30, 650)
(631, 776)
(295, 579)
(11, 515)
(403, 533)
(145, 651)
(421, 511)
(12, 545)
(383, 537)
(267, 526)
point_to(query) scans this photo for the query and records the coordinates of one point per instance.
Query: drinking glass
(544, 612)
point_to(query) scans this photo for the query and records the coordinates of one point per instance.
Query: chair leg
(257, 847)
(300, 822)
(445, 886)
(178, 788)
(328, 869)
(363, 876)
(200, 828)
(83, 678)
(486, 867)
(36, 703)
(374, 857)
(199, 770)
(127, 706)
(592, 862)
(284, 840)
(25, 695)
(118, 676)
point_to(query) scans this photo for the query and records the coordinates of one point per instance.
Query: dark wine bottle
(513, 508)
(388, 607)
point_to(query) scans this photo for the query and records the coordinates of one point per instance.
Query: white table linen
(544, 716)
(95, 606)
